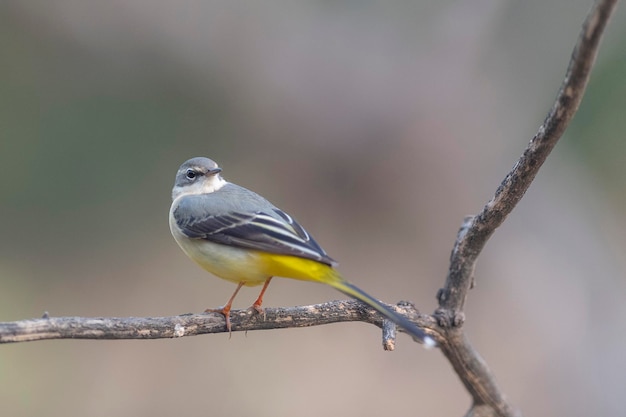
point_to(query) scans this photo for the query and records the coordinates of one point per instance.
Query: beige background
(378, 125)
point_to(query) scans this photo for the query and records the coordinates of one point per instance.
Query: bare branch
(476, 230)
(196, 324)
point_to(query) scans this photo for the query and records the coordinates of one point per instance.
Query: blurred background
(379, 126)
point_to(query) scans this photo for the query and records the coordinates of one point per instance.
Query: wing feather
(278, 233)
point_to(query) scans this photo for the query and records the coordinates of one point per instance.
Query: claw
(225, 311)
(259, 301)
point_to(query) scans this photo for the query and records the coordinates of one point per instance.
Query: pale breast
(229, 263)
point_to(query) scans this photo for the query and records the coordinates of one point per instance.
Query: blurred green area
(379, 125)
(597, 132)
(80, 139)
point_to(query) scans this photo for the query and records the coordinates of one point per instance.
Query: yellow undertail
(309, 270)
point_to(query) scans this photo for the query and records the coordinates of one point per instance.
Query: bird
(239, 236)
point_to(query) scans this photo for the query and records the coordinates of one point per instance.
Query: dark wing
(278, 233)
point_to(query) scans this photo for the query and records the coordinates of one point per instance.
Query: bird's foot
(256, 308)
(225, 311)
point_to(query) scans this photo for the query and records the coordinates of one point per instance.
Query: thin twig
(196, 324)
(476, 230)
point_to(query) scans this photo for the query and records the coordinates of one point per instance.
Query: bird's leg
(259, 300)
(226, 309)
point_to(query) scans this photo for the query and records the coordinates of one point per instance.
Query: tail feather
(355, 292)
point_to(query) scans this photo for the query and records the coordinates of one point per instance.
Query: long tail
(355, 292)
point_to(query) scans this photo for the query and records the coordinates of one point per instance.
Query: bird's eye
(190, 174)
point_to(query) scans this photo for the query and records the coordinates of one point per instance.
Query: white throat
(211, 184)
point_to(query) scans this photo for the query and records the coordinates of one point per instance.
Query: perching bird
(239, 236)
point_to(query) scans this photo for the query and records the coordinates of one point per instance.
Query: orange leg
(226, 309)
(259, 300)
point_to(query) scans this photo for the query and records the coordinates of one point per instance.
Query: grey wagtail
(239, 236)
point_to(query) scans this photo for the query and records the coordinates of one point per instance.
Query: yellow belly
(249, 266)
